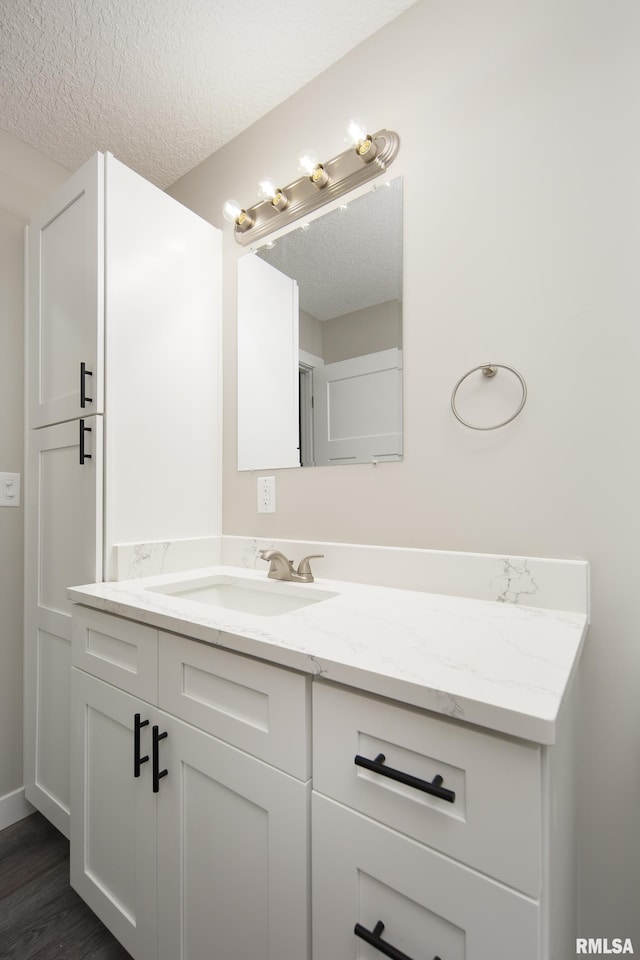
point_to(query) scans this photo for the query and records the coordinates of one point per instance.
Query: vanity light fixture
(320, 183)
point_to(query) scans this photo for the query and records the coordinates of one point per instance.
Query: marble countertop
(499, 665)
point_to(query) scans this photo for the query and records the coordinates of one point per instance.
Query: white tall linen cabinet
(123, 415)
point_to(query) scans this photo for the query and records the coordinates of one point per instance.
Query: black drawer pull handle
(84, 399)
(373, 937)
(433, 787)
(138, 724)
(157, 773)
(83, 456)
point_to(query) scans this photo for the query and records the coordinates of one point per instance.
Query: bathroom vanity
(328, 770)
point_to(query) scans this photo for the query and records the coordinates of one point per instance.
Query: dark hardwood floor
(41, 917)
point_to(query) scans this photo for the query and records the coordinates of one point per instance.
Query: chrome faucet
(283, 569)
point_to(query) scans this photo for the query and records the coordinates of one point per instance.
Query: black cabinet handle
(84, 399)
(157, 773)
(373, 937)
(433, 787)
(138, 724)
(84, 456)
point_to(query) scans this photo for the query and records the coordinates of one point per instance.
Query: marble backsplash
(530, 581)
(134, 560)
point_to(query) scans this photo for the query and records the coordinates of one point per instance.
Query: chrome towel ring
(489, 370)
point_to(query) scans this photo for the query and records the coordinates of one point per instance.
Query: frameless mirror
(320, 339)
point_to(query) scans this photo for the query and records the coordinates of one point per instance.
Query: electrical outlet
(266, 494)
(9, 489)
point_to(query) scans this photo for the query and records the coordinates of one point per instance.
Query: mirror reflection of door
(347, 267)
(267, 367)
(305, 413)
(358, 409)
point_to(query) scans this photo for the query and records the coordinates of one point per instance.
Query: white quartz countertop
(499, 665)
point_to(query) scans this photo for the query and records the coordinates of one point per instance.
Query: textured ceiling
(163, 83)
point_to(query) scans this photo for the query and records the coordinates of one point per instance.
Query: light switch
(9, 489)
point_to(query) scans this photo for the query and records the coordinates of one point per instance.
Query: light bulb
(233, 213)
(356, 131)
(359, 138)
(267, 189)
(308, 161)
(231, 210)
(309, 164)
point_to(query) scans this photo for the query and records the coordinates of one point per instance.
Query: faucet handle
(304, 569)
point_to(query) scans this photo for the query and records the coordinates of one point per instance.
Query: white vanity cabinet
(304, 819)
(122, 364)
(432, 839)
(185, 844)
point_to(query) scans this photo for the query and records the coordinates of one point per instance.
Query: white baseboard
(14, 807)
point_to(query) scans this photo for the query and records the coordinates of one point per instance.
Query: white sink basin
(268, 599)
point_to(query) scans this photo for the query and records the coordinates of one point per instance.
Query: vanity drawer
(119, 651)
(261, 709)
(365, 873)
(492, 817)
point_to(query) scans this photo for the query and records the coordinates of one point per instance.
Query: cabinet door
(232, 853)
(64, 547)
(65, 300)
(113, 829)
(365, 874)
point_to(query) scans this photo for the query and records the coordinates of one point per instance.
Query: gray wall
(520, 155)
(26, 178)
(364, 331)
(310, 334)
(354, 334)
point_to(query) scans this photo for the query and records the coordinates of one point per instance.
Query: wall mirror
(320, 339)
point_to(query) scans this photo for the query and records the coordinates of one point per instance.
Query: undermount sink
(268, 599)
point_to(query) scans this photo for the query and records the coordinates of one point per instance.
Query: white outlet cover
(266, 494)
(9, 489)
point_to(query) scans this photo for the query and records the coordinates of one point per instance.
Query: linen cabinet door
(374, 888)
(65, 301)
(232, 853)
(63, 547)
(113, 828)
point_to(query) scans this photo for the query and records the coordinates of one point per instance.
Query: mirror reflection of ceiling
(359, 247)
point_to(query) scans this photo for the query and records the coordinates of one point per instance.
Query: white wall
(520, 153)
(26, 179)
